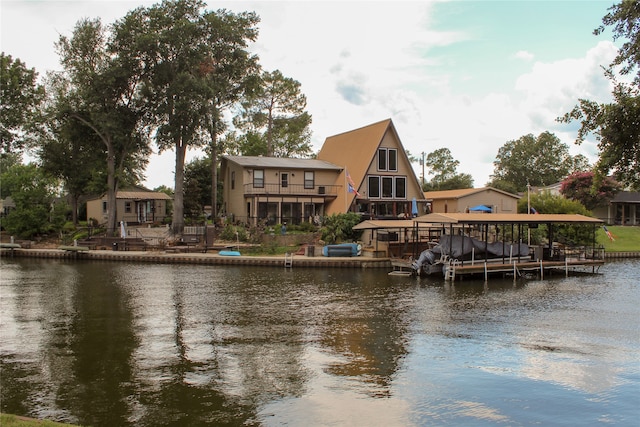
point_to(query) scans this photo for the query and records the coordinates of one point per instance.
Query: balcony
(328, 191)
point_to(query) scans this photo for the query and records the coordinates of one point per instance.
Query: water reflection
(129, 344)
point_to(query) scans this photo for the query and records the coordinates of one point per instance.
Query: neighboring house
(135, 205)
(377, 179)
(277, 189)
(623, 209)
(553, 189)
(6, 205)
(472, 199)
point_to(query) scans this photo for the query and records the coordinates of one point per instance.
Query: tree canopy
(531, 160)
(444, 169)
(20, 99)
(190, 58)
(274, 118)
(580, 186)
(98, 90)
(616, 125)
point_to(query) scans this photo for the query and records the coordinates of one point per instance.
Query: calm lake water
(125, 344)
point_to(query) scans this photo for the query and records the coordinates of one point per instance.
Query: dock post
(541, 271)
(486, 274)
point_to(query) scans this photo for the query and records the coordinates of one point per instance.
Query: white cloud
(524, 55)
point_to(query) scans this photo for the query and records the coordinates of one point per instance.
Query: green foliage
(197, 187)
(625, 19)
(32, 192)
(8, 420)
(274, 119)
(616, 126)
(20, 100)
(547, 203)
(339, 228)
(444, 167)
(234, 233)
(581, 186)
(538, 161)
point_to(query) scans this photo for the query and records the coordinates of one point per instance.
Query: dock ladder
(450, 271)
(288, 260)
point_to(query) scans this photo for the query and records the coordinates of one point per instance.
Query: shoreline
(200, 258)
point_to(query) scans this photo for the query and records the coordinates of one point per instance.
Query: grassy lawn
(7, 420)
(626, 239)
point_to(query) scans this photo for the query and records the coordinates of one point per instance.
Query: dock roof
(490, 218)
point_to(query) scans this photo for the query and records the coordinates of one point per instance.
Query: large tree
(20, 100)
(444, 169)
(616, 125)
(229, 72)
(274, 116)
(102, 95)
(625, 19)
(185, 53)
(531, 160)
(33, 192)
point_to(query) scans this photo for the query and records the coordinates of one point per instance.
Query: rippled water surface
(116, 344)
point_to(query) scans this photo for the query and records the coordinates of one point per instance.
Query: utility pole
(422, 163)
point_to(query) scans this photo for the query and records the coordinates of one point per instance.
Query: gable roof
(137, 193)
(463, 192)
(281, 163)
(357, 149)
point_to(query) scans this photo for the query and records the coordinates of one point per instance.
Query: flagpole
(346, 191)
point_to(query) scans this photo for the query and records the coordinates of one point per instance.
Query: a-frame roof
(355, 150)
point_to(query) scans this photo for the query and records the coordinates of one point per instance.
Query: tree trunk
(214, 173)
(111, 189)
(178, 201)
(74, 208)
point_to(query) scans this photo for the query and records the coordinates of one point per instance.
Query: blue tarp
(480, 208)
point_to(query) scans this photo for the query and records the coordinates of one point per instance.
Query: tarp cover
(457, 246)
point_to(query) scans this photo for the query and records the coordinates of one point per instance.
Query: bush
(339, 228)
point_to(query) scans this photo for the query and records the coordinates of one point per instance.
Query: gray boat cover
(456, 247)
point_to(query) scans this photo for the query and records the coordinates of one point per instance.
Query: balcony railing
(293, 190)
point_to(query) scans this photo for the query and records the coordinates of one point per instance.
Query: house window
(387, 159)
(309, 179)
(104, 207)
(258, 178)
(233, 180)
(401, 187)
(284, 179)
(387, 187)
(127, 207)
(374, 186)
(393, 159)
(382, 159)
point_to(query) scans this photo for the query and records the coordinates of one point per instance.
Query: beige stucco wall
(500, 203)
(95, 211)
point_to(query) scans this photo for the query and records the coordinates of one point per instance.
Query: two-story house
(364, 170)
(279, 190)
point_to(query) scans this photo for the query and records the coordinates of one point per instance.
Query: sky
(464, 75)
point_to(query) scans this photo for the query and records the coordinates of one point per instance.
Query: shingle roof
(487, 218)
(281, 162)
(357, 149)
(456, 194)
(627, 197)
